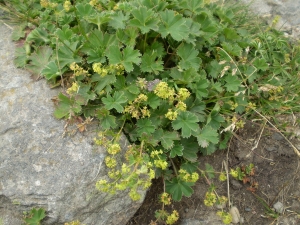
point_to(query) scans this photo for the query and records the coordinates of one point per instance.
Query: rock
(235, 214)
(278, 206)
(277, 136)
(41, 168)
(235, 184)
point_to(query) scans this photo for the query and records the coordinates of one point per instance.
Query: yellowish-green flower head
(183, 94)
(171, 219)
(171, 115)
(67, 6)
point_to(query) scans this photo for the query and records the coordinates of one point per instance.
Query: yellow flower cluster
(234, 173)
(210, 199)
(136, 110)
(141, 83)
(138, 173)
(222, 176)
(171, 115)
(47, 4)
(181, 106)
(163, 91)
(134, 195)
(110, 162)
(159, 163)
(165, 198)
(96, 4)
(114, 149)
(110, 69)
(183, 94)
(226, 217)
(173, 217)
(78, 70)
(73, 223)
(188, 177)
(67, 6)
(73, 89)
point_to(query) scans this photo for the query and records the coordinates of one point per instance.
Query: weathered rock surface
(39, 167)
(287, 10)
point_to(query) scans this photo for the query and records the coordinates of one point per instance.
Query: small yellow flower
(181, 106)
(67, 6)
(173, 217)
(73, 89)
(222, 176)
(110, 162)
(165, 198)
(134, 195)
(114, 149)
(161, 164)
(44, 3)
(145, 112)
(171, 115)
(210, 199)
(234, 173)
(183, 94)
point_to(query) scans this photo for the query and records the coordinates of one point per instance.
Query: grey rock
(235, 184)
(41, 168)
(277, 137)
(278, 206)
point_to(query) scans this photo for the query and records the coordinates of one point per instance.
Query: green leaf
(118, 20)
(151, 63)
(65, 33)
(209, 171)
(194, 6)
(127, 57)
(98, 19)
(185, 77)
(174, 25)
(207, 135)
(21, 58)
(39, 59)
(261, 64)
(115, 102)
(190, 167)
(85, 9)
(178, 188)
(18, 33)
(215, 119)
(189, 57)
(231, 34)
(67, 54)
(145, 126)
(200, 88)
(176, 150)
(168, 138)
(107, 121)
(103, 82)
(145, 19)
(51, 71)
(187, 122)
(36, 216)
(153, 100)
(209, 27)
(190, 149)
(232, 83)
(38, 36)
(66, 106)
(128, 36)
(84, 94)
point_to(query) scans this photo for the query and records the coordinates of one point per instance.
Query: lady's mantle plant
(175, 76)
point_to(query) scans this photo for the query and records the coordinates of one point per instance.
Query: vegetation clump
(176, 77)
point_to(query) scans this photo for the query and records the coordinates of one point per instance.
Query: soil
(276, 179)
